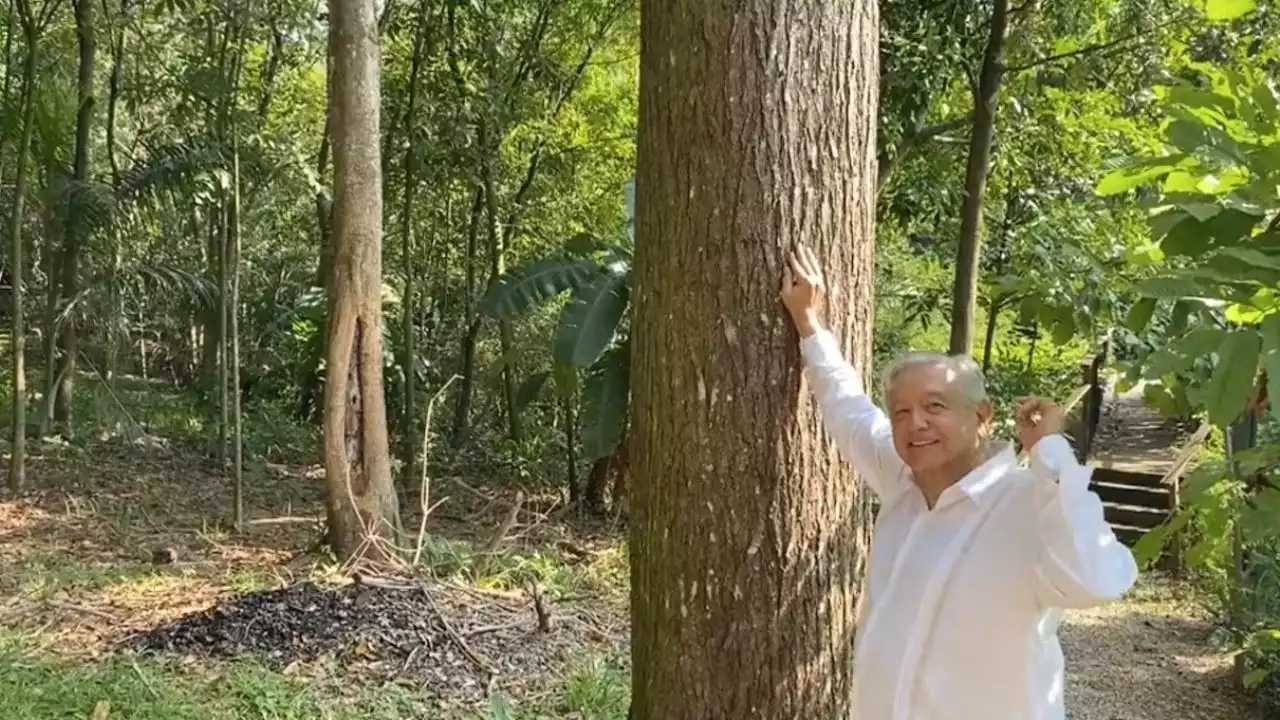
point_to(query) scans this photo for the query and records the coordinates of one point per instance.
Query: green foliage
(591, 334)
(1214, 218)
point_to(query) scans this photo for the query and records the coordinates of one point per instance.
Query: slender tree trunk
(998, 300)
(965, 292)
(408, 360)
(746, 526)
(49, 344)
(115, 326)
(78, 227)
(462, 412)
(224, 298)
(497, 266)
(233, 223)
(18, 452)
(362, 503)
(988, 344)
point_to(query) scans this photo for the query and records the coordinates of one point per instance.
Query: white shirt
(963, 601)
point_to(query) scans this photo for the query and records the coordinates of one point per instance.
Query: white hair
(964, 372)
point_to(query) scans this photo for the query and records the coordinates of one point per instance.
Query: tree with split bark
(363, 511)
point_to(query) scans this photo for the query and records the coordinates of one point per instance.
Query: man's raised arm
(860, 429)
(1079, 561)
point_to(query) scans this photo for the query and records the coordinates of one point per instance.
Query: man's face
(933, 424)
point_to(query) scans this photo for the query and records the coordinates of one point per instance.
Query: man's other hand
(1036, 418)
(803, 290)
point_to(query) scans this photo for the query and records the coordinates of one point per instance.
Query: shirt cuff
(1052, 456)
(821, 348)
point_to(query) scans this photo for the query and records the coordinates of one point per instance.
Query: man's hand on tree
(803, 290)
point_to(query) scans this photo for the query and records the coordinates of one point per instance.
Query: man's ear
(986, 418)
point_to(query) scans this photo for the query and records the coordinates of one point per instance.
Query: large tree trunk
(78, 227)
(362, 503)
(748, 530)
(965, 291)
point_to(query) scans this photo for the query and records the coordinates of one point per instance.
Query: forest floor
(124, 589)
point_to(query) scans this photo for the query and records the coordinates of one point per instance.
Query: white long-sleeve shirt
(963, 601)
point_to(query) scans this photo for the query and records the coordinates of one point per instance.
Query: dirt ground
(1148, 657)
(80, 547)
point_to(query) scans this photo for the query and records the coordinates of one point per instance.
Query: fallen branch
(493, 628)
(457, 639)
(85, 610)
(492, 546)
(424, 490)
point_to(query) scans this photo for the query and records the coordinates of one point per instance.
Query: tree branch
(912, 142)
(1091, 49)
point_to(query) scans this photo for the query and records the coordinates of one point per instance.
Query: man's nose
(919, 421)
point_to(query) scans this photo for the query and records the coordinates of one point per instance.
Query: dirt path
(1147, 658)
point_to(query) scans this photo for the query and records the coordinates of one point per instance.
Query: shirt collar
(977, 484)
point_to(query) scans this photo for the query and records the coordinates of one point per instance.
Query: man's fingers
(796, 269)
(811, 263)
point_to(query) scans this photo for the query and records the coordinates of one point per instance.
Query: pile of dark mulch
(396, 631)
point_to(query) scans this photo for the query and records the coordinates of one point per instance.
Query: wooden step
(1155, 498)
(1128, 535)
(1126, 477)
(1141, 518)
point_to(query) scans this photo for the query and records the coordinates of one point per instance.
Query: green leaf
(1028, 310)
(1231, 226)
(566, 379)
(1178, 318)
(1200, 342)
(1165, 221)
(1159, 397)
(606, 396)
(1169, 287)
(1065, 328)
(589, 322)
(1254, 678)
(1187, 135)
(1140, 314)
(522, 288)
(1270, 331)
(1187, 237)
(1131, 176)
(1232, 379)
(1222, 10)
(1148, 548)
(582, 244)
(530, 388)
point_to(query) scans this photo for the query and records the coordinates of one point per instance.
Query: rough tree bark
(362, 503)
(965, 292)
(757, 132)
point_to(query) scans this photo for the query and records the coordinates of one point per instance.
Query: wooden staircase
(1134, 502)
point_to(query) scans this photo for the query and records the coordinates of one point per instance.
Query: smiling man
(973, 558)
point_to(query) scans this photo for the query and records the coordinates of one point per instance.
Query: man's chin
(925, 459)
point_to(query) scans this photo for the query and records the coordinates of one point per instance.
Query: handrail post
(1091, 410)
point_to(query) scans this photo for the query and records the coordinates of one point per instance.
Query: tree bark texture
(756, 133)
(969, 249)
(362, 501)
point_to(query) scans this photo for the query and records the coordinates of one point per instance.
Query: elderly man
(973, 558)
